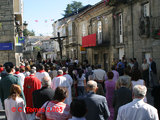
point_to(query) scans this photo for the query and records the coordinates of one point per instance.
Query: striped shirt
(54, 111)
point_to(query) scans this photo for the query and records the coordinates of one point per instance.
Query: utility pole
(60, 42)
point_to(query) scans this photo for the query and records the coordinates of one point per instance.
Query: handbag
(43, 116)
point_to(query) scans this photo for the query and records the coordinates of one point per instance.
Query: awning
(89, 41)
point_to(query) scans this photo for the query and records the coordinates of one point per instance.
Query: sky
(39, 14)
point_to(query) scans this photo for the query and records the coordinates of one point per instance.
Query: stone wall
(7, 30)
(141, 44)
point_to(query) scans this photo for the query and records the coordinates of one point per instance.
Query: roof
(34, 39)
(91, 8)
(80, 10)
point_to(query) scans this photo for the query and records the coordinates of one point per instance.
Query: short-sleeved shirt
(145, 66)
(55, 111)
(81, 80)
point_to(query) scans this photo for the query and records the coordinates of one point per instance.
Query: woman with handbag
(55, 109)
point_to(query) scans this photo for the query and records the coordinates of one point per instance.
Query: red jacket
(31, 83)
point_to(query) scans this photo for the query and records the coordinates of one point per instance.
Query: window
(120, 28)
(63, 31)
(99, 32)
(70, 29)
(121, 53)
(146, 10)
(96, 58)
(75, 54)
(83, 30)
(147, 56)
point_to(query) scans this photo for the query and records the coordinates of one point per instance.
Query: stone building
(48, 49)
(58, 26)
(95, 35)
(118, 28)
(11, 18)
(66, 26)
(137, 30)
(42, 44)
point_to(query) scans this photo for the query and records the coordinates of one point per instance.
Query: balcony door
(121, 53)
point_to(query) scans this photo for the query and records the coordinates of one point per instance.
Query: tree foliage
(73, 7)
(27, 33)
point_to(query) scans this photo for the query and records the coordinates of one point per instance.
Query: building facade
(95, 35)
(42, 44)
(67, 27)
(117, 29)
(114, 30)
(136, 30)
(11, 24)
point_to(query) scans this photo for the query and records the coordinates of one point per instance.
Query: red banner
(89, 41)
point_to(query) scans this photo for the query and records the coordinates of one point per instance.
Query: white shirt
(62, 81)
(19, 103)
(145, 66)
(137, 110)
(21, 77)
(76, 61)
(70, 81)
(99, 74)
(41, 75)
(138, 82)
(81, 80)
(59, 81)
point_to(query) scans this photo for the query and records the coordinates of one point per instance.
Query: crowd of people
(69, 90)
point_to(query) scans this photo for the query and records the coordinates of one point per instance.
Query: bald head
(60, 72)
(46, 82)
(92, 86)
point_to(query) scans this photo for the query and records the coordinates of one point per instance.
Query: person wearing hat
(7, 81)
(60, 80)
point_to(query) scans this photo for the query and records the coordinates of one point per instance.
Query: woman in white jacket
(14, 104)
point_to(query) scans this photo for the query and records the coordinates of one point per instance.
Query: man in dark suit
(122, 96)
(153, 72)
(156, 94)
(135, 63)
(96, 104)
(44, 94)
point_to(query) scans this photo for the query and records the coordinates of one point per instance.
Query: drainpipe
(132, 29)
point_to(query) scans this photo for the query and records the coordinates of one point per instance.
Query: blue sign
(6, 46)
(21, 39)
